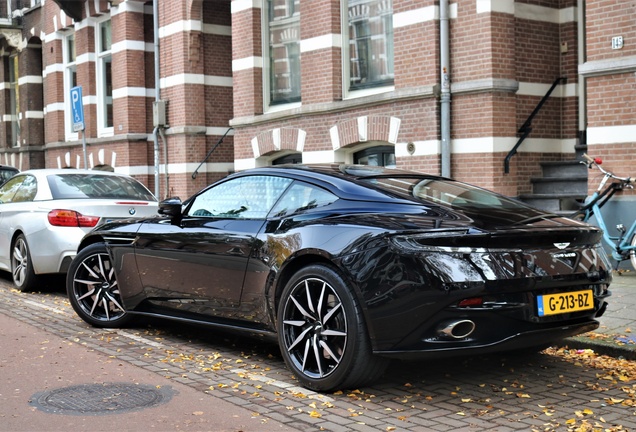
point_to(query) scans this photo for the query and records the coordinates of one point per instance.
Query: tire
(322, 334)
(24, 277)
(92, 288)
(632, 253)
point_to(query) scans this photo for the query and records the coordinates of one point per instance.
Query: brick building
(437, 86)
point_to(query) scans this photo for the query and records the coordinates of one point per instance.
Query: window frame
(102, 57)
(371, 89)
(70, 68)
(14, 99)
(381, 150)
(268, 105)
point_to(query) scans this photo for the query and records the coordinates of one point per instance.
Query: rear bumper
(528, 339)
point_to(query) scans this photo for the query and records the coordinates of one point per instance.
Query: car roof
(343, 171)
(58, 171)
(346, 178)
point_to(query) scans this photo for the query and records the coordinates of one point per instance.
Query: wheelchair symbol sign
(77, 109)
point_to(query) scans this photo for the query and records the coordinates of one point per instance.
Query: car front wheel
(322, 333)
(93, 290)
(24, 277)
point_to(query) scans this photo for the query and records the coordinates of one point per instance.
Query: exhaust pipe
(459, 329)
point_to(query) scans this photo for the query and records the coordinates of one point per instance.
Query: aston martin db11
(348, 266)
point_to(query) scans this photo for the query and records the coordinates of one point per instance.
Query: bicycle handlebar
(597, 163)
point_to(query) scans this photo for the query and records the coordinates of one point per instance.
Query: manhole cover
(97, 399)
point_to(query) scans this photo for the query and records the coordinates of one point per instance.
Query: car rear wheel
(93, 290)
(322, 333)
(24, 277)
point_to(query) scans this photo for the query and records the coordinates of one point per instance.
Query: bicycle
(624, 245)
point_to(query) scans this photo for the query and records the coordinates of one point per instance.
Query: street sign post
(77, 115)
(77, 109)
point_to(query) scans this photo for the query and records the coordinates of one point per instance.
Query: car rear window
(83, 186)
(455, 194)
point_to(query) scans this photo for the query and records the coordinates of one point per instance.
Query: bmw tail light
(71, 218)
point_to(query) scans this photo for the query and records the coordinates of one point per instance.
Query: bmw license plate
(554, 304)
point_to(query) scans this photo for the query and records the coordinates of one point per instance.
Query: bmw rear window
(99, 186)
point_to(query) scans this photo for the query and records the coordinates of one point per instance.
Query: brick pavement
(616, 335)
(499, 393)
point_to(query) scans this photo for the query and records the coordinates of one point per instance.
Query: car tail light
(131, 203)
(471, 302)
(71, 218)
(442, 241)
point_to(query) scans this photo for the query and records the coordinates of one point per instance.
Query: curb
(617, 346)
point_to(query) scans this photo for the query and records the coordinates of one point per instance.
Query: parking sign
(77, 109)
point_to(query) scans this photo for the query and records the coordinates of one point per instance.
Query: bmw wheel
(322, 333)
(24, 277)
(93, 290)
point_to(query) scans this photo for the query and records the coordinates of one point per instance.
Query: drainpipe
(580, 12)
(155, 18)
(445, 97)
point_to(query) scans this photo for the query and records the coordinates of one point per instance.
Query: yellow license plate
(554, 304)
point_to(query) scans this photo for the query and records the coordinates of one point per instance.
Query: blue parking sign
(77, 109)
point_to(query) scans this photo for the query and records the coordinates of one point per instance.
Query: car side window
(300, 197)
(21, 188)
(244, 197)
(27, 190)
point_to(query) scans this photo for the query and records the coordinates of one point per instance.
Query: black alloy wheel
(93, 290)
(322, 333)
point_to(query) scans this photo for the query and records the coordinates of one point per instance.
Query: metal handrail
(194, 174)
(526, 128)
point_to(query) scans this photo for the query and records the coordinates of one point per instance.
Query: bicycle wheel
(632, 253)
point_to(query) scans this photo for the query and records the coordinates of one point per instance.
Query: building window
(294, 158)
(283, 22)
(376, 156)
(14, 100)
(370, 47)
(70, 81)
(104, 79)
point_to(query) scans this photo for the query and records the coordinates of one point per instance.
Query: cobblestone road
(539, 392)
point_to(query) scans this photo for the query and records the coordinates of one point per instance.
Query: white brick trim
(526, 11)
(243, 5)
(321, 42)
(611, 134)
(415, 16)
(30, 79)
(505, 144)
(247, 63)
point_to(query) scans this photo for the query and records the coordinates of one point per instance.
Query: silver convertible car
(45, 213)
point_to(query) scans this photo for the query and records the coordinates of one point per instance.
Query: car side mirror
(171, 207)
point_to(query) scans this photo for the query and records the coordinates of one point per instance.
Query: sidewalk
(617, 334)
(33, 361)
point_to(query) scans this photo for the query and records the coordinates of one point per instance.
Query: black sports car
(348, 266)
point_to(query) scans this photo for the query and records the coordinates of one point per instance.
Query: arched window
(376, 156)
(294, 158)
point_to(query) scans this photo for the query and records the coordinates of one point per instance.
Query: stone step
(556, 203)
(560, 185)
(564, 169)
